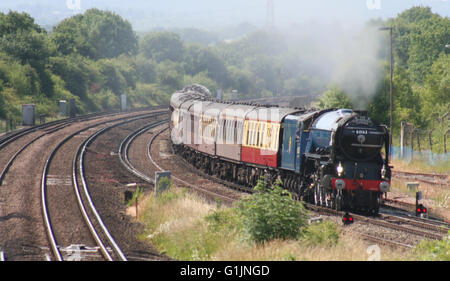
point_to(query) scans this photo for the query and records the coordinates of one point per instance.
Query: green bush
(224, 221)
(325, 233)
(271, 213)
(137, 194)
(433, 250)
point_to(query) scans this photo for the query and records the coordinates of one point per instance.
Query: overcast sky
(146, 14)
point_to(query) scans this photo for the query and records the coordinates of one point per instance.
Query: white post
(402, 134)
(124, 102)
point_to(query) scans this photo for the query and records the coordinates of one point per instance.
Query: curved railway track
(25, 138)
(86, 206)
(123, 152)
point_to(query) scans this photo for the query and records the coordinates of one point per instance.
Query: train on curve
(334, 157)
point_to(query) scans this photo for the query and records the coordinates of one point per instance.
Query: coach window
(257, 134)
(228, 131)
(275, 133)
(247, 132)
(262, 135)
(250, 133)
(254, 128)
(235, 124)
(267, 135)
(239, 131)
(223, 130)
(213, 129)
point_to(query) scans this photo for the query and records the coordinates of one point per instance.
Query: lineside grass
(416, 166)
(184, 226)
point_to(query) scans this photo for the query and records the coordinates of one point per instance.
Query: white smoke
(357, 68)
(347, 56)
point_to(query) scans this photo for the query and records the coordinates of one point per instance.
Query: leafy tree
(406, 101)
(436, 92)
(378, 109)
(262, 43)
(199, 59)
(334, 97)
(170, 74)
(419, 36)
(77, 73)
(145, 69)
(162, 46)
(2, 102)
(14, 22)
(241, 80)
(202, 79)
(112, 77)
(95, 34)
(266, 69)
(302, 85)
(193, 35)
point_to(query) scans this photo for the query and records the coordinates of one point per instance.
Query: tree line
(96, 56)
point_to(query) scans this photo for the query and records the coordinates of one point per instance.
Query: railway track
(46, 129)
(432, 179)
(17, 143)
(123, 152)
(90, 214)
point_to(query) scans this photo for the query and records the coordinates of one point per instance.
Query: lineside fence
(431, 146)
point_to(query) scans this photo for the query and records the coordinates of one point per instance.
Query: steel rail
(383, 241)
(368, 220)
(15, 135)
(11, 136)
(86, 191)
(422, 224)
(11, 160)
(442, 180)
(46, 217)
(178, 179)
(124, 148)
(60, 124)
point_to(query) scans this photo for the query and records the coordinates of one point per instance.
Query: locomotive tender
(329, 157)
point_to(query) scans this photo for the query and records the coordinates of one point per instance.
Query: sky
(209, 14)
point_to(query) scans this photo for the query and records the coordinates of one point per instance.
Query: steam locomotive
(331, 157)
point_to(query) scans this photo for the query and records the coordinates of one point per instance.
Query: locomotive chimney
(362, 113)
